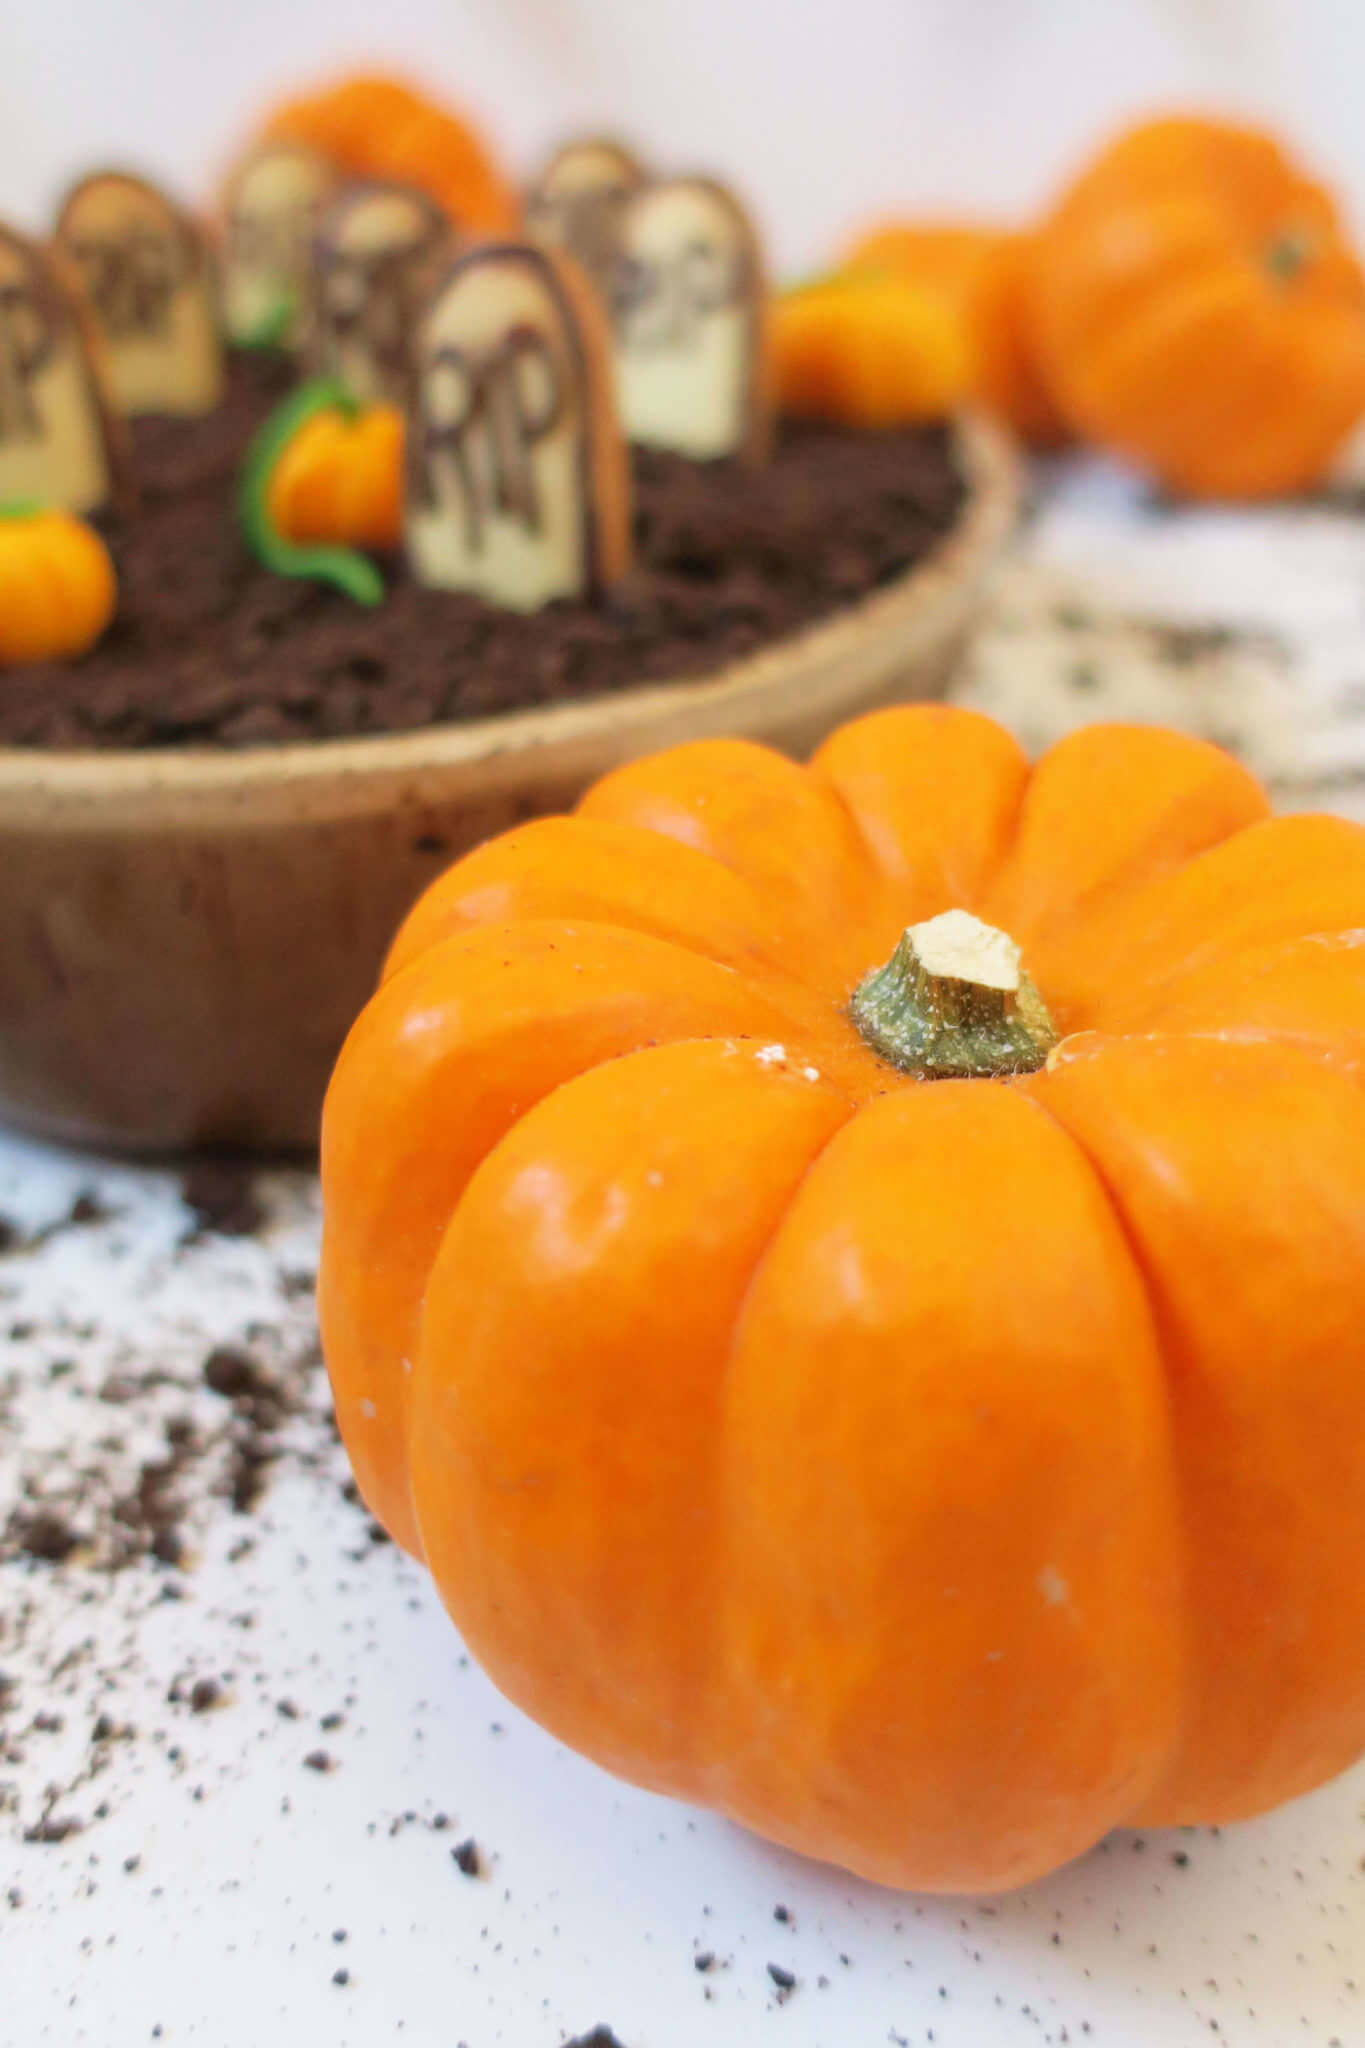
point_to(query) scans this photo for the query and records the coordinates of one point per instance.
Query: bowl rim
(36, 783)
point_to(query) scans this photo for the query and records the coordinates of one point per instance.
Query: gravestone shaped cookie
(272, 208)
(379, 249)
(518, 483)
(54, 445)
(149, 287)
(688, 309)
(578, 201)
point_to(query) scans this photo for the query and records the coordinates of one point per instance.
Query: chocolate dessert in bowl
(372, 539)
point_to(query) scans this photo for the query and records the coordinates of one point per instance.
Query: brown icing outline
(634, 166)
(218, 233)
(191, 234)
(350, 193)
(52, 269)
(575, 300)
(758, 405)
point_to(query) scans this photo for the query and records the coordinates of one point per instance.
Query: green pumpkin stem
(345, 568)
(953, 1003)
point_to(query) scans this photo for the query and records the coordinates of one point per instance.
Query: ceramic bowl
(185, 936)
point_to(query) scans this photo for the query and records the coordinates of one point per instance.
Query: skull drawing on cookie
(688, 312)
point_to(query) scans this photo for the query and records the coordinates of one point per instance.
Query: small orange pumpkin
(983, 272)
(1195, 306)
(869, 351)
(930, 1476)
(57, 585)
(340, 479)
(374, 126)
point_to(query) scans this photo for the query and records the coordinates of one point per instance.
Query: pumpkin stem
(1286, 256)
(953, 1002)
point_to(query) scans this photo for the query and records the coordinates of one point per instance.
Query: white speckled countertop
(232, 1775)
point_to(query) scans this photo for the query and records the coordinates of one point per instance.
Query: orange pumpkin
(869, 351)
(931, 1476)
(983, 273)
(1195, 306)
(57, 585)
(379, 127)
(340, 478)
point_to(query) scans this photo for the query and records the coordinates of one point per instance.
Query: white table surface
(595, 1899)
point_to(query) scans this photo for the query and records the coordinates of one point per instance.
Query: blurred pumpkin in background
(1196, 307)
(374, 126)
(982, 273)
(872, 352)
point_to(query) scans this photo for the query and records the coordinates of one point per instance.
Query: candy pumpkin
(340, 477)
(57, 585)
(983, 274)
(868, 351)
(1196, 307)
(851, 1276)
(321, 481)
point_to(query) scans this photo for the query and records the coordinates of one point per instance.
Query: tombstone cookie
(54, 443)
(272, 207)
(149, 286)
(379, 249)
(518, 483)
(578, 200)
(688, 310)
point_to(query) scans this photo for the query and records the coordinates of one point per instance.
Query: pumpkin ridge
(413, 936)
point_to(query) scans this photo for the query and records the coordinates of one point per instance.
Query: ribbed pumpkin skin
(931, 1475)
(1194, 305)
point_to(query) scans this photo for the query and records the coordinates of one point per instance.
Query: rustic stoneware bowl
(186, 936)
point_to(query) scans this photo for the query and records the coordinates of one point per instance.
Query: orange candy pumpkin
(1196, 307)
(983, 273)
(929, 1475)
(58, 590)
(341, 479)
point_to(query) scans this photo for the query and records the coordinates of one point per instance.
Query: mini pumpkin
(340, 478)
(57, 585)
(1195, 306)
(374, 126)
(929, 1472)
(984, 274)
(318, 485)
(869, 351)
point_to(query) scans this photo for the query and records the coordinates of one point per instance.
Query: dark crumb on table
(783, 1914)
(466, 1857)
(600, 2037)
(230, 1371)
(210, 649)
(704, 1960)
(341, 1976)
(205, 1694)
(319, 1760)
(784, 1979)
(221, 1196)
(44, 1535)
